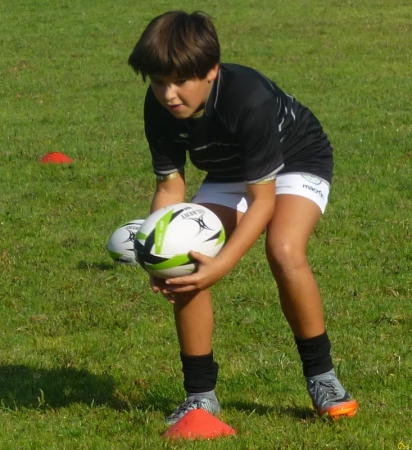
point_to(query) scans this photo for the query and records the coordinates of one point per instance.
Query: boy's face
(183, 97)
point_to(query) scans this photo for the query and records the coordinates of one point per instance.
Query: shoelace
(326, 390)
(193, 403)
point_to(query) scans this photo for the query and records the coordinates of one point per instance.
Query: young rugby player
(268, 166)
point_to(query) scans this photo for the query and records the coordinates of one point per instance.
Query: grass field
(89, 357)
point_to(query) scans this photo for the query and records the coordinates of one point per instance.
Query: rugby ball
(165, 238)
(121, 243)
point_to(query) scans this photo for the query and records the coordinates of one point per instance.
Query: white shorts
(234, 195)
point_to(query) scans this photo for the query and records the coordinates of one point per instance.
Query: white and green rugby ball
(163, 242)
(121, 243)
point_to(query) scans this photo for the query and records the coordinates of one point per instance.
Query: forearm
(251, 226)
(168, 193)
(162, 199)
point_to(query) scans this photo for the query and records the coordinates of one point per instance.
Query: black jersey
(250, 130)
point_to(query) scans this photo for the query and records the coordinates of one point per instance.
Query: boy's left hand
(208, 272)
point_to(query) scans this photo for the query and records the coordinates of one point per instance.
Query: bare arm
(168, 192)
(250, 227)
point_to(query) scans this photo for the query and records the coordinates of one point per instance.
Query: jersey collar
(211, 101)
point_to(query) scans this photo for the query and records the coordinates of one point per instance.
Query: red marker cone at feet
(55, 158)
(198, 424)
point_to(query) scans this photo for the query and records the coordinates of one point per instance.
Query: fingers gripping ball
(164, 240)
(121, 243)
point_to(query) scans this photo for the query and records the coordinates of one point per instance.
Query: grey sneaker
(190, 403)
(329, 397)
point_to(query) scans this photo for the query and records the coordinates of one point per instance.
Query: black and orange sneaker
(329, 397)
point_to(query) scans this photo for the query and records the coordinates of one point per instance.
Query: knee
(284, 257)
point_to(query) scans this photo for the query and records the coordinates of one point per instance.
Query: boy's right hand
(159, 285)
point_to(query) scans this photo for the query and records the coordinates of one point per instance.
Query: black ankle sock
(315, 354)
(200, 373)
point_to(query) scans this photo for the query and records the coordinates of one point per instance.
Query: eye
(180, 82)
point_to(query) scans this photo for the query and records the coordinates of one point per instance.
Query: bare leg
(194, 323)
(287, 236)
(194, 313)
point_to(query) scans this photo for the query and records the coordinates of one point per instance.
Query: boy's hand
(159, 285)
(208, 272)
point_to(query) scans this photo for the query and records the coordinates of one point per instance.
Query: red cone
(198, 424)
(55, 158)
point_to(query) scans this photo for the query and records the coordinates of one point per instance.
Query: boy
(269, 167)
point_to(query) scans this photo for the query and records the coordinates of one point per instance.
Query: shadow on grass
(299, 413)
(166, 404)
(24, 387)
(157, 400)
(101, 265)
(260, 410)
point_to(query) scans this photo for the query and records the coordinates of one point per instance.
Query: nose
(168, 92)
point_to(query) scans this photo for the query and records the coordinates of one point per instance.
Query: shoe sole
(346, 409)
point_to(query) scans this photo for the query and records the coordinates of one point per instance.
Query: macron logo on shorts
(314, 181)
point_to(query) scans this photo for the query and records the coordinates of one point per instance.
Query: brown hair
(177, 44)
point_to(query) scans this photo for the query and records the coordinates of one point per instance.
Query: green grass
(89, 357)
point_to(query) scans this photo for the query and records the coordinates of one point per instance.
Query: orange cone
(55, 158)
(198, 424)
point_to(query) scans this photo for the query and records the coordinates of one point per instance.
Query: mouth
(174, 107)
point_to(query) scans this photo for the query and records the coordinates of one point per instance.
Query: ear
(212, 74)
